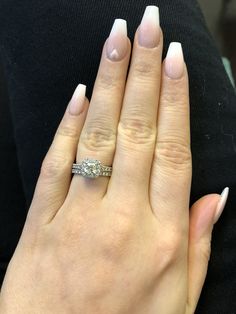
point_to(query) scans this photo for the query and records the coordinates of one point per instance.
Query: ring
(91, 168)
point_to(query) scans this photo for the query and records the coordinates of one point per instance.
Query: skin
(125, 244)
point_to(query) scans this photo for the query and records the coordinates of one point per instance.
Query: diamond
(91, 168)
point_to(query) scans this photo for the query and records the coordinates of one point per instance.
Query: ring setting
(92, 169)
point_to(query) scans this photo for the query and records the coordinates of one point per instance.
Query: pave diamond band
(91, 168)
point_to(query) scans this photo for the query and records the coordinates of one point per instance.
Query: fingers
(203, 214)
(55, 176)
(172, 167)
(137, 127)
(98, 137)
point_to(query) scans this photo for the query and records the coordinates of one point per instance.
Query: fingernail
(174, 62)
(77, 103)
(149, 29)
(221, 204)
(117, 42)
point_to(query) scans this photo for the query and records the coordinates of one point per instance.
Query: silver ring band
(92, 169)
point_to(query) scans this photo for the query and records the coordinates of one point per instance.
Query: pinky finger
(203, 214)
(55, 175)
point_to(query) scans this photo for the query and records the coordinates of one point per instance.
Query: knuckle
(95, 137)
(107, 80)
(137, 131)
(176, 105)
(177, 90)
(122, 225)
(171, 249)
(173, 153)
(173, 245)
(55, 165)
(143, 69)
(67, 131)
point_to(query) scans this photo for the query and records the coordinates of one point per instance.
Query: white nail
(174, 63)
(151, 14)
(77, 102)
(221, 204)
(119, 27)
(149, 29)
(117, 43)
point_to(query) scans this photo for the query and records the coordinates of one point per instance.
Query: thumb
(203, 215)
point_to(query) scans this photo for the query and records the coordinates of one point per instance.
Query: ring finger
(98, 137)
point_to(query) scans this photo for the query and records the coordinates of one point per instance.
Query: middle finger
(137, 128)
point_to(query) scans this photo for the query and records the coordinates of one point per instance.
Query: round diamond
(91, 168)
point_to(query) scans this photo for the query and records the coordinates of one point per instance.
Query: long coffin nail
(149, 29)
(221, 204)
(174, 62)
(117, 44)
(77, 103)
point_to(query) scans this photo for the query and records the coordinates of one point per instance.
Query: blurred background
(220, 17)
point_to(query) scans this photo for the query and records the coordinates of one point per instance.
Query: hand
(123, 244)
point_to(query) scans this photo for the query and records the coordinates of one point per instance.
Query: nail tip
(175, 49)
(175, 46)
(120, 21)
(221, 204)
(82, 85)
(226, 188)
(153, 11)
(81, 88)
(152, 8)
(225, 192)
(119, 25)
(76, 104)
(176, 43)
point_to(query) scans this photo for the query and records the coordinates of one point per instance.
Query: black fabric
(12, 199)
(48, 47)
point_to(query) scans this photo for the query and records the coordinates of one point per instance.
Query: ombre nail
(77, 103)
(221, 204)
(149, 29)
(174, 62)
(117, 44)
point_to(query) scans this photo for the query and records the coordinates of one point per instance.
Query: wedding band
(92, 169)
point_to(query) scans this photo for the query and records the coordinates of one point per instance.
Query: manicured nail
(221, 204)
(77, 103)
(117, 44)
(174, 62)
(149, 29)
